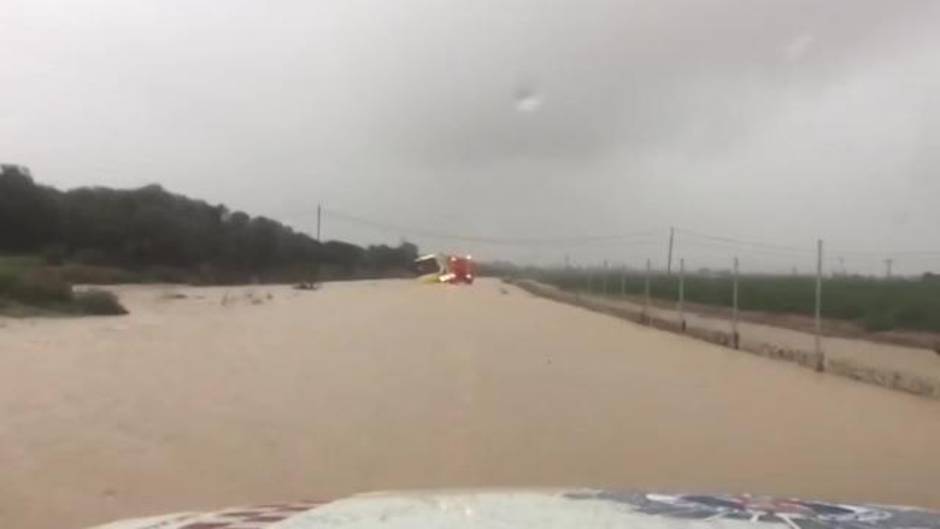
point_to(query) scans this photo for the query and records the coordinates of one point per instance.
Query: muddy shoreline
(901, 380)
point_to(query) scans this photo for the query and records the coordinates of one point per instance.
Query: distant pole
(681, 304)
(817, 340)
(888, 263)
(590, 287)
(646, 293)
(319, 212)
(604, 280)
(734, 306)
(672, 237)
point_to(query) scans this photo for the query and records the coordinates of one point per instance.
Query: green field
(876, 304)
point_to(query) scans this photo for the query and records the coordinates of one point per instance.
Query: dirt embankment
(909, 369)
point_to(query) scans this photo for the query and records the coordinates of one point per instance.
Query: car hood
(542, 508)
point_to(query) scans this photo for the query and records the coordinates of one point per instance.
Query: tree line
(149, 227)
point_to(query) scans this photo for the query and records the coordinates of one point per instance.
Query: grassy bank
(876, 304)
(30, 285)
(27, 288)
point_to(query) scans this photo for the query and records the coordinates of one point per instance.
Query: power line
(636, 238)
(630, 238)
(741, 242)
(890, 252)
(725, 248)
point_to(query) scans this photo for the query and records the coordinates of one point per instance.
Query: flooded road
(259, 394)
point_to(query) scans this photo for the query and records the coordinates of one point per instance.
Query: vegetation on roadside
(52, 239)
(876, 304)
(100, 235)
(37, 291)
(99, 302)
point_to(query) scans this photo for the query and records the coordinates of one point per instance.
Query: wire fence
(682, 267)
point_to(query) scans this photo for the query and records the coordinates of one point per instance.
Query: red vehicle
(440, 268)
(461, 270)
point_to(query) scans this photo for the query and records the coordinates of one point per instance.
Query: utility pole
(672, 237)
(820, 357)
(646, 298)
(888, 263)
(604, 280)
(319, 212)
(681, 304)
(734, 306)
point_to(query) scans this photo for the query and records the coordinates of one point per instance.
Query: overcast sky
(771, 121)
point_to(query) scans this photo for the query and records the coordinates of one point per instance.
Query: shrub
(98, 302)
(40, 287)
(95, 275)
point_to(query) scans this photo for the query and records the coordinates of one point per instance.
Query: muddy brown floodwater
(227, 397)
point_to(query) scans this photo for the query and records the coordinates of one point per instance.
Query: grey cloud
(708, 113)
(613, 75)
